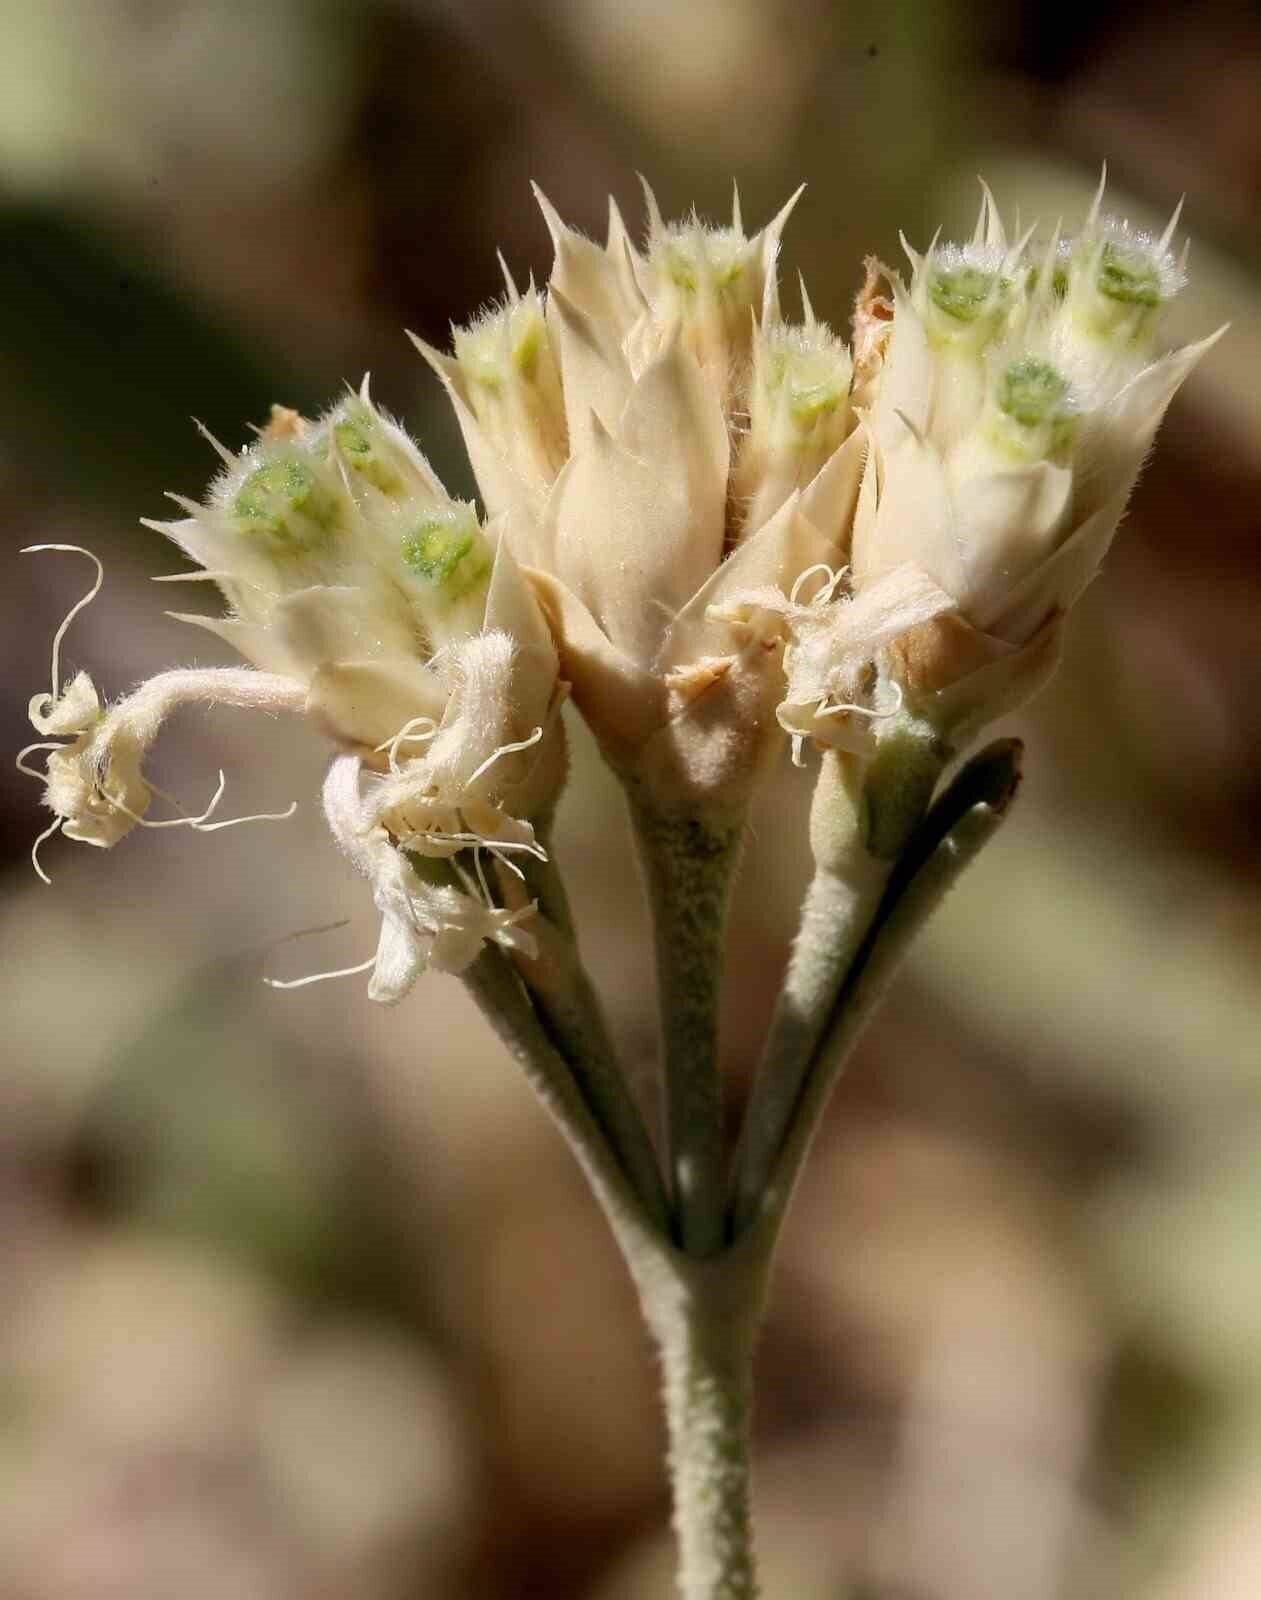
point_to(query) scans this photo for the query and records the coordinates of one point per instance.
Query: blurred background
(304, 1299)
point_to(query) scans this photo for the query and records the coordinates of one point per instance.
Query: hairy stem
(953, 833)
(572, 1016)
(688, 864)
(704, 1316)
(835, 916)
(860, 820)
(495, 985)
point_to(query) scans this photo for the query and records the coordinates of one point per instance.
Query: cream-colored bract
(422, 924)
(371, 602)
(709, 448)
(1011, 394)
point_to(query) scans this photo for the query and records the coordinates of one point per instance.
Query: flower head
(666, 464)
(367, 598)
(709, 446)
(1010, 403)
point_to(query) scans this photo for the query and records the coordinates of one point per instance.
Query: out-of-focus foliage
(304, 1298)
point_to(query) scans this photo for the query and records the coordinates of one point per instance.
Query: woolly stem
(502, 999)
(957, 828)
(860, 820)
(704, 1316)
(687, 865)
(571, 1014)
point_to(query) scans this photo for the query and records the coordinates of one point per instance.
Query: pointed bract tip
(1096, 205)
(655, 223)
(1171, 227)
(989, 231)
(615, 234)
(443, 365)
(1013, 256)
(555, 225)
(779, 221)
(221, 450)
(737, 221)
(509, 283)
(807, 310)
(980, 233)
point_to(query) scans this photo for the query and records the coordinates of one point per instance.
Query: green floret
(1032, 392)
(963, 292)
(285, 503)
(447, 552)
(687, 256)
(812, 368)
(808, 404)
(1036, 418)
(1129, 277)
(357, 441)
(526, 349)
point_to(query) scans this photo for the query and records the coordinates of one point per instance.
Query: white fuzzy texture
(658, 510)
(95, 784)
(367, 599)
(1010, 519)
(832, 640)
(422, 924)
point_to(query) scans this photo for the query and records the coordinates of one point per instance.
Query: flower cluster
(659, 438)
(1012, 392)
(368, 599)
(717, 525)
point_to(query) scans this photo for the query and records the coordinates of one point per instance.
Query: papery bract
(710, 449)
(1009, 401)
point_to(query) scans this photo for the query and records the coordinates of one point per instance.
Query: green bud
(811, 369)
(446, 551)
(510, 381)
(689, 256)
(1118, 281)
(1129, 277)
(504, 343)
(1031, 391)
(1035, 415)
(358, 437)
(527, 346)
(964, 292)
(1059, 280)
(284, 503)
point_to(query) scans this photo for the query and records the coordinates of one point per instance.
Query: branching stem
(861, 818)
(571, 1014)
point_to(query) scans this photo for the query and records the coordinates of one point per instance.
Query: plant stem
(688, 864)
(573, 1017)
(495, 985)
(835, 915)
(704, 1315)
(960, 824)
(860, 819)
